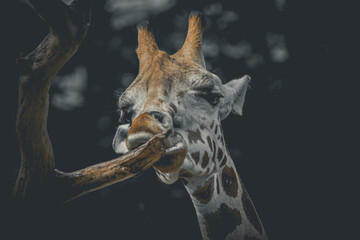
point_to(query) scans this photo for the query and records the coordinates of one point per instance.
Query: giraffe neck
(223, 206)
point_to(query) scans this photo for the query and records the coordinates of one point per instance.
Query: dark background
(290, 147)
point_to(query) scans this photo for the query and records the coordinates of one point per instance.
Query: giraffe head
(175, 93)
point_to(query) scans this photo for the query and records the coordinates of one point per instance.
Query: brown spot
(204, 193)
(223, 162)
(207, 171)
(195, 156)
(213, 158)
(171, 113)
(173, 107)
(194, 136)
(209, 142)
(212, 124)
(205, 160)
(180, 94)
(217, 186)
(220, 154)
(250, 211)
(229, 181)
(221, 222)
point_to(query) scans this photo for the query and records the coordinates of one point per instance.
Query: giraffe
(176, 94)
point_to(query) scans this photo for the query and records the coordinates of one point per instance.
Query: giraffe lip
(175, 148)
(175, 143)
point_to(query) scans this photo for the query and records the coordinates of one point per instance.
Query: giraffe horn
(147, 46)
(192, 48)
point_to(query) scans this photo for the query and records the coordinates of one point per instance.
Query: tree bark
(38, 179)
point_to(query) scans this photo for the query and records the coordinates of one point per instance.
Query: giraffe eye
(126, 116)
(211, 97)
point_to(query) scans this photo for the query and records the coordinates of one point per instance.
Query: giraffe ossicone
(176, 93)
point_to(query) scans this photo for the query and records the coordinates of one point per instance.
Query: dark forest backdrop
(284, 145)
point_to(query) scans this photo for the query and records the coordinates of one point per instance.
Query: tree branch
(75, 184)
(38, 179)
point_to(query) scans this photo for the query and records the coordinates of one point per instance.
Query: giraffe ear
(192, 48)
(147, 46)
(235, 92)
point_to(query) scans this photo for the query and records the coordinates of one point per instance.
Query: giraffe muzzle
(147, 125)
(144, 127)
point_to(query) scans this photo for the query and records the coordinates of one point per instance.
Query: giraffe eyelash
(213, 98)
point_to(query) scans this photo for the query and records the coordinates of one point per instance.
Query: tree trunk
(38, 180)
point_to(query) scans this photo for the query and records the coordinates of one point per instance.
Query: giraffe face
(175, 93)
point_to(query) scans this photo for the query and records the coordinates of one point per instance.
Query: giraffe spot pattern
(214, 155)
(212, 124)
(205, 160)
(217, 186)
(204, 193)
(209, 143)
(220, 154)
(223, 162)
(216, 129)
(174, 108)
(172, 114)
(250, 210)
(214, 168)
(229, 181)
(221, 222)
(180, 94)
(195, 156)
(194, 136)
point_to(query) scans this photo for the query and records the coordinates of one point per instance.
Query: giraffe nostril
(158, 116)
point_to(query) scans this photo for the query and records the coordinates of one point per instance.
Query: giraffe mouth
(176, 151)
(174, 144)
(177, 147)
